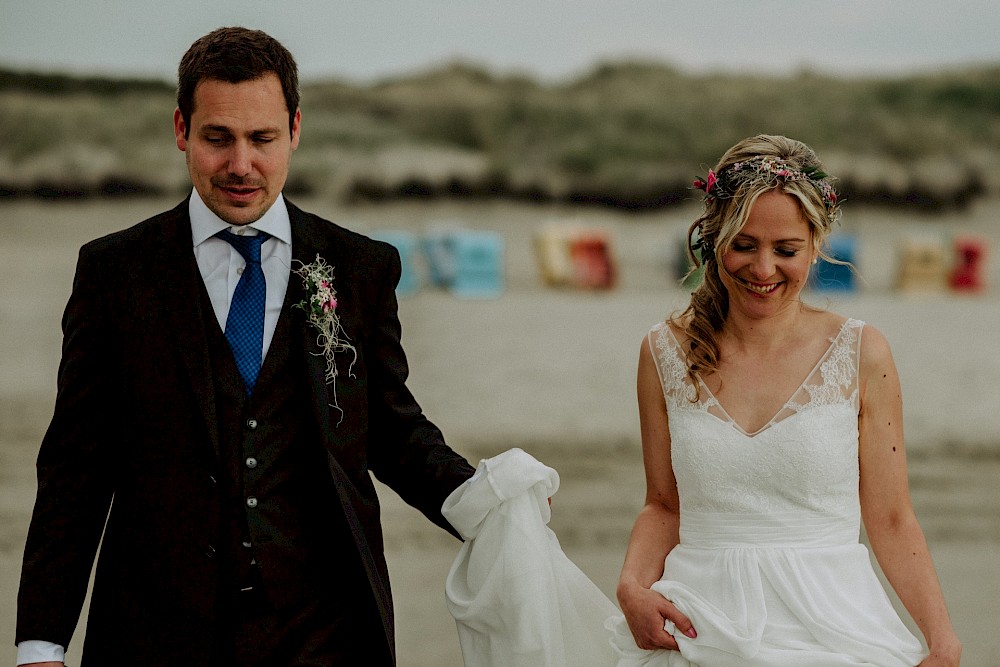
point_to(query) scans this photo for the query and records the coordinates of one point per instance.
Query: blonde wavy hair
(723, 219)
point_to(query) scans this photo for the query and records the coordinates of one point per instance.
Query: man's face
(238, 145)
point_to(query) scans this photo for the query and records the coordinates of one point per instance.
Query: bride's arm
(895, 535)
(656, 528)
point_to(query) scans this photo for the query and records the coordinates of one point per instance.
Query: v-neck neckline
(714, 400)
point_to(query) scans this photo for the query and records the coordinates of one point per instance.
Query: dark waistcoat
(283, 522)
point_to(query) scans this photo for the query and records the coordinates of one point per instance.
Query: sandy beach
(552, 371)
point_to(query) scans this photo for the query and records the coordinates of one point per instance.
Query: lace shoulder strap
(852, 340)
(670, 366)
(835, 379)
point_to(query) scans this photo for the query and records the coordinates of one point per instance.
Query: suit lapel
(312, 237)
(173, 264)
(306, 244)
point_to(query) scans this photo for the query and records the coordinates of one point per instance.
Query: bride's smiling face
(767, 264)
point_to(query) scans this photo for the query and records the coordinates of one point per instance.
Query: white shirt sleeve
(34, 650)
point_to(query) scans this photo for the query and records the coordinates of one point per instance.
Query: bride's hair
(746, 171)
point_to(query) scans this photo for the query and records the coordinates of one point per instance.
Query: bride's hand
(646, 612)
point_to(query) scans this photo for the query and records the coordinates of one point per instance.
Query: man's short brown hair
(235, 55)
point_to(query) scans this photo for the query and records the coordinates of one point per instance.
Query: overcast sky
(368, 39)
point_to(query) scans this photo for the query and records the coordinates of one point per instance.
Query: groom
(202, 430)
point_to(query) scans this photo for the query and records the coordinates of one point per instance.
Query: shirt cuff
(35, 650)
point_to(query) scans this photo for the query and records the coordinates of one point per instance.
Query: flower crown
(766, 169)
(758, 170)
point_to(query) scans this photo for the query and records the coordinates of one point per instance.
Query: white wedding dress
(769, 567)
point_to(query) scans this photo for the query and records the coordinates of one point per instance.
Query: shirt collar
(205, 224)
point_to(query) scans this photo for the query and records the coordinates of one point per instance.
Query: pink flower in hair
(708, 184)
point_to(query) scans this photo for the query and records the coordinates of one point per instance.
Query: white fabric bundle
(517, 599)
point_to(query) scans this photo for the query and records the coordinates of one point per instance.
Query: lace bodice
(804, 460)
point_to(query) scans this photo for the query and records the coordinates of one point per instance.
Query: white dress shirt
(220, 265)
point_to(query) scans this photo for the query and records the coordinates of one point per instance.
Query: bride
(770, 430)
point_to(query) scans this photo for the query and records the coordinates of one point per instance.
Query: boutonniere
(321, 313)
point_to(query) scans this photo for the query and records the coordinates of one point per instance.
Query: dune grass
(628, 134)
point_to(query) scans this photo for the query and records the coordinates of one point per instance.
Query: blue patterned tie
(245, 323)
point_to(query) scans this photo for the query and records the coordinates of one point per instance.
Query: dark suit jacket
(133, 441)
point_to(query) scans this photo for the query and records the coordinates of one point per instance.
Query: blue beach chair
(406, 243)
(828, 277)
(478, 264)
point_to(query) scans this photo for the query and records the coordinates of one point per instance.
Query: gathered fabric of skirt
(768, 604)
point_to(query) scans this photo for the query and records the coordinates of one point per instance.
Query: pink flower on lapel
(321, 313)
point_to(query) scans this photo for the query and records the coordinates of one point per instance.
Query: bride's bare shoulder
(824, 324)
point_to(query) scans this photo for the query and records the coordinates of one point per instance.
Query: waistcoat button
(251, 502)
(251, 424)
(251, 463)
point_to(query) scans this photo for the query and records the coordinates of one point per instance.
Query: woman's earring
(815, 259)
